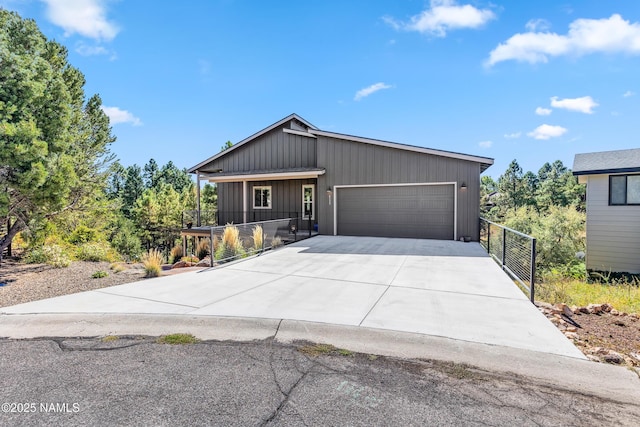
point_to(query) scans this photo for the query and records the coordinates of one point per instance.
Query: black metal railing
(233, 241)
(214, 218)
(513, 250)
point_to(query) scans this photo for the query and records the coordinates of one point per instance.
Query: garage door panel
(397, 211)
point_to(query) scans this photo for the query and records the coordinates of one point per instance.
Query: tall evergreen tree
(53, 144)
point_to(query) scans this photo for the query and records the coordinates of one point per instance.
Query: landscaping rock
(613, 357)
(614, 312)
(204, 263)
(594, 308)
(182, 264)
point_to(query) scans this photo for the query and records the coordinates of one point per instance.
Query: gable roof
(251, 138)
(602, 162)
(312, 131)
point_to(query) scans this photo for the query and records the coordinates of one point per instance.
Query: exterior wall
(613, 232)
(273, 150)
(286, 199)
(349, 163)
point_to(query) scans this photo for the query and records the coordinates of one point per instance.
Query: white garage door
(416, 211)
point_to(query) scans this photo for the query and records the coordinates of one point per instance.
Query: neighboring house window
(624, 190)
(262, 197)
(308, 201)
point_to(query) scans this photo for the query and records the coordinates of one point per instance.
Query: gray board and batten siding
(358, 163)
(383, 180)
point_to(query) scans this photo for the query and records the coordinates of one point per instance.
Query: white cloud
(582, 105)
(362, 93)
(538, 25)
(485, 144)
(116, 115)
(608, 35)
(443, 16)
(547, 132)
(543, 111)
(628, 93)
(85, 17)
(514, 135)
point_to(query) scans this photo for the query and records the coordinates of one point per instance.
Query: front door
(308, 201)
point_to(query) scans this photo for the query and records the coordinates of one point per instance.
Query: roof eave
(460, 156)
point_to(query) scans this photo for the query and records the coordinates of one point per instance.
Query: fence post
(504, 246)
(488, 237)
(532, 286)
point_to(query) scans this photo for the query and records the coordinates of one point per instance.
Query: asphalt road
(136, 381)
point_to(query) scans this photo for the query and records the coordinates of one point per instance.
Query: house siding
(357, 163)
(273, 150)
(286, 200)
(613, 232)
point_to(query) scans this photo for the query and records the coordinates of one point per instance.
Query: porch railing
(514, 251)
(213, 218)
(249, 240)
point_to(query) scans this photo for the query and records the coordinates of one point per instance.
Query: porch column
(198, 198)
(244, 201)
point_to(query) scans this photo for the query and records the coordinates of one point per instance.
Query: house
(613, 209)
(348, 185)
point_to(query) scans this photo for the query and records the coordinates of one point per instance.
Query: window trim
(626, 176)
(313, 200)
(262, 188)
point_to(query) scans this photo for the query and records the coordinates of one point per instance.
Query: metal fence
(215, 218)
(514, 251)
(247, 241)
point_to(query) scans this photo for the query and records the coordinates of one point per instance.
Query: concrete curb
(576, 375)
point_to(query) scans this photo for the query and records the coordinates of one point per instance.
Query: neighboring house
(613, 209)
(348, 184)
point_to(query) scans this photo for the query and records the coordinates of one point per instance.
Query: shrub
(117, 267)
(49, 254)
(559, 232)
(83, 234)
(203, 248)
(176, 253)
(99, 274)
(190, 258)
(258, 238)
(152, 262)
(94, 251)
(231, 246)
(125, 240)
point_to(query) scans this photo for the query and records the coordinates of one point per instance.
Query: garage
(424, 211)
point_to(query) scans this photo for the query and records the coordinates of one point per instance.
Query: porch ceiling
(263, 175)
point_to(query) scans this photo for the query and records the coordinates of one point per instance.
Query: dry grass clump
(258, 238)
(152, 262)
(176, 253)
(231, 246)
(203, 248)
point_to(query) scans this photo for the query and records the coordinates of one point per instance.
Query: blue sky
(534, 81)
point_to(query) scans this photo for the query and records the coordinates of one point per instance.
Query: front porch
(254, 196)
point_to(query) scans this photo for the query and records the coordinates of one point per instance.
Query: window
(308, 201)
(262, 197)
(624, 190)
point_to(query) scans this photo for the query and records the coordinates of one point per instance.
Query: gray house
(349, 185)
(613, 209)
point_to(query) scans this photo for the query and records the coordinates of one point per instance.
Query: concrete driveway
(440, 288)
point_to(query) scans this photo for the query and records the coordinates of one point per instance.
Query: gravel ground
(30, 282)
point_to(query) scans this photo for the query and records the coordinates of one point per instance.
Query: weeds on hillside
(622, 294)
